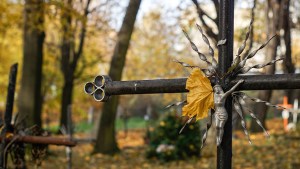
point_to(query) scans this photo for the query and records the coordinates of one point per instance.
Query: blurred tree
(106, 141)
(288, 65)
(33, 39)
(10, 42)
(157, 56)
(69, 53)
(277, 16)
(148, 60)
(210, 20)
(203, 16)
(285, 24)
(93, 50)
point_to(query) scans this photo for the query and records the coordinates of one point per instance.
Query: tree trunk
(69, 56)
(66, 49)
(65, 102)
(286, 26)
(29, 100)
(288, 66)
(272, 12)
(106, 141)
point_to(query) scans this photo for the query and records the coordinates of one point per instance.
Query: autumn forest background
(62, 44)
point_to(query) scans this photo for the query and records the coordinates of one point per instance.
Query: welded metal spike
(236, 62)
(211, 50)
(245, 96)
(259, 66)
(238, 108)
(253, 53)
(243, 46)
(187, 122)
(257, 121)
(176, 104)
(194, 47)
(185, 64)
(261, 47)
(208, 125)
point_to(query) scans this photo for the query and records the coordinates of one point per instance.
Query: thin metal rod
(41, 140)
(70, 135)
(8, 111)
(10, 95)
(226, 14)
(257, 82)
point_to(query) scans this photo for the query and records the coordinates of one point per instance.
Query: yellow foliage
(200, 97)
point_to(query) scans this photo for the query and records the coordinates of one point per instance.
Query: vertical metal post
(8, 111)
(70, 134)
(10, 95)
(226, 12)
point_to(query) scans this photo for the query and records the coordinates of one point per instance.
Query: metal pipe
(146, 86)
(226, 18)
(41, 140)
(257, 82)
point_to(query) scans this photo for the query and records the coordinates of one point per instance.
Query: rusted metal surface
(41, 140)
(226, 15)
(252, 82)
(8, 128)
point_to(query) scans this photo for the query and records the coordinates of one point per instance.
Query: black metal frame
(226, 22)
(251, 82)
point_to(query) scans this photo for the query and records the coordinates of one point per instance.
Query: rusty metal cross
(8, 134)
(107, 87)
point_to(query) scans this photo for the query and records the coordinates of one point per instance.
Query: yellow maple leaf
(200, 97)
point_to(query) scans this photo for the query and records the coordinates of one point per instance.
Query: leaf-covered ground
(280, 151)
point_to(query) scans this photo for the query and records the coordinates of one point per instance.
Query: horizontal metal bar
(41, 140)
(84, 140)
(269, 82)
(145, 86)
(252, 82)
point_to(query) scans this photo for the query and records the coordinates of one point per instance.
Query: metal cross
(8, 134)
(107, 87)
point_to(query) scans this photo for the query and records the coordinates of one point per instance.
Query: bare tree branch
(216, 4)
(286, 26)
(85, 64)
(207, 29)
(82, 36)
(98, 6)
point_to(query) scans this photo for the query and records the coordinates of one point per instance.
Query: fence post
(226, 20)
(70, 135)
(8, 112)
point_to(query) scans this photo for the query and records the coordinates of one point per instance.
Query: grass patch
(133, 123)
